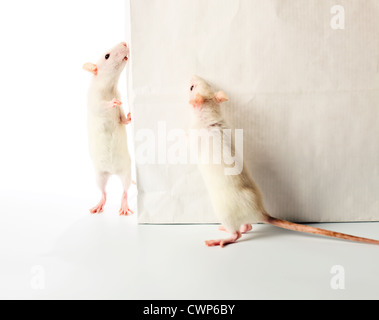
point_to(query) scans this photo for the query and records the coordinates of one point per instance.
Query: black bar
(190, 309)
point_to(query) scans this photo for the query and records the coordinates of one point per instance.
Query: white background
(46, 177)
(43, 128)
(47, 187)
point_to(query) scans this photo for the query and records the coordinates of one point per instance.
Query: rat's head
(201, 92)
(111, 63)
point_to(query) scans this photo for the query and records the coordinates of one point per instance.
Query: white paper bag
(303, 82)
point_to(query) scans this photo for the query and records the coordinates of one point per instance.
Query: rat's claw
(218, 243)
(97, 209)
(213, 243)
(100, 207)
(222, 243)
(126, 212)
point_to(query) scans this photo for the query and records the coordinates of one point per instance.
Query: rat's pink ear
(198, 101)
(221, 97)
(90, 67)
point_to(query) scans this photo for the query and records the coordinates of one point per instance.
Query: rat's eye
(107, 56)
(192, 88)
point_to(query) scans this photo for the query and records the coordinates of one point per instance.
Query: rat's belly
(109, 149)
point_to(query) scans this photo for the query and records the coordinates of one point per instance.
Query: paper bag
(303, 82)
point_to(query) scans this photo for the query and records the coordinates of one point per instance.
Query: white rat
(108, 144)
(236, 198)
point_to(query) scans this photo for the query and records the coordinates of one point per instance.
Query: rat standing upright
(106, 124)
(236, 198)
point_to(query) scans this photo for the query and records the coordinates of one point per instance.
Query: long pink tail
(307, 229)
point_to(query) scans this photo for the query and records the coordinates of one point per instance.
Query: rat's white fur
(107, 134)
(236, 198)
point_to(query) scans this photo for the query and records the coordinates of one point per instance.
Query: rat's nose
(124, 44)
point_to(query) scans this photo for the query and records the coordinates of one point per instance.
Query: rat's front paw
(115, 103)
(129, 118)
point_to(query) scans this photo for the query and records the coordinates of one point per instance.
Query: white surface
(111, 257)
(306, 96)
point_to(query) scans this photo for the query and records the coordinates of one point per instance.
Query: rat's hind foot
(100, 207)
(125, 210)
(224, 242)
(244, 229)
(222, 228)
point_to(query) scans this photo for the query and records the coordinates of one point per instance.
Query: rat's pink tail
(321, 232)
